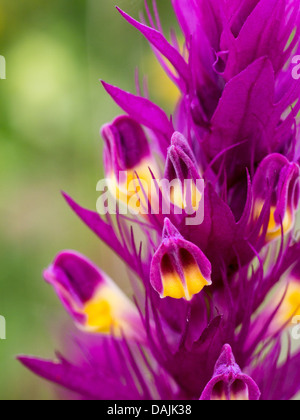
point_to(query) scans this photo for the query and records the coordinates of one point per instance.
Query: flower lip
(126, 144)
(74, 277)
(96, 304)
(228, 381)
(276, 182)
(129, 165)
(179, 269)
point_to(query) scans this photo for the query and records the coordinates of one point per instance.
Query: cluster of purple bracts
(214, 301)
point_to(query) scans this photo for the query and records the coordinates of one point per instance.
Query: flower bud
(186, 191)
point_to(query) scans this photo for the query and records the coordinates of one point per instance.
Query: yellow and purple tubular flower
(179, 269)
(285, 305)
(276, 182)
(93, 300)
(129, 165)
(290, 305)
(228, 382)
(182, 173)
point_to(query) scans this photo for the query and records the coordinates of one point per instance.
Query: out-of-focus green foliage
(51, 107)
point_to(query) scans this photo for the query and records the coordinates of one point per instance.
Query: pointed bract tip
(169, 230)
(178, 139)
(228, 382)
(227, 357)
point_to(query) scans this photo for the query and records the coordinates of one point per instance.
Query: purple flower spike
(224, 170)
(179, 269)
(228, 382)
(96, 304)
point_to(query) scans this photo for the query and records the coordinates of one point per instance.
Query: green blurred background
(52, 106)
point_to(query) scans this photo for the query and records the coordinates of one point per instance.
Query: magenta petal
(75, 272)
(253, 40)
(141, 110)
(161, 44)
(244, 115)
(75, 280)
(102, 229)
(187, 14)
(82, 381)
